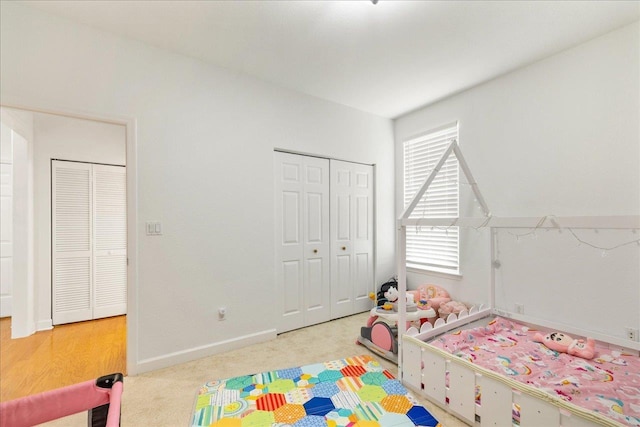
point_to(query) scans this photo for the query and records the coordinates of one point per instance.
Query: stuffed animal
(434, 295)
(451, 307)
(391, 295)
(564, 343)
(380, 298)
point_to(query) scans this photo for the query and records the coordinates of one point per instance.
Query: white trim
(434, 271)
(319, 156)
(188, 355)
(23, 301)
(44, 325)
(132, 246)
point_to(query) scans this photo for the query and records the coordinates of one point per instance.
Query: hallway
(65, 355)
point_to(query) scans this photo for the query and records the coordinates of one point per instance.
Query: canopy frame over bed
(423, 360)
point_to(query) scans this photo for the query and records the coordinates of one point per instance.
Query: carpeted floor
(166, 397)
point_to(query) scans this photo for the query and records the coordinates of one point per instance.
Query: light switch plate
(154, 228)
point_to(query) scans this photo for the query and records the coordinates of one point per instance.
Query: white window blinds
(432, 248)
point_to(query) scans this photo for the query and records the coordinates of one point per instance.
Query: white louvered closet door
(71, 242)
(89, 241)
(110, 241)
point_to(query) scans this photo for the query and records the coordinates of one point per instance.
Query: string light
(484, 224)
(534, 230)
(604, 249)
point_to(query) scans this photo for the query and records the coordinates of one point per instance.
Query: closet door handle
(315, 251)
(344, 248)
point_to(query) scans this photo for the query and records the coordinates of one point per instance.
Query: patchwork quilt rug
(356, 391)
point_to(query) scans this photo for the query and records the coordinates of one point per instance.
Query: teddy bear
(564, 343)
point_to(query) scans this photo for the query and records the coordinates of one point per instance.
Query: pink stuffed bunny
(563, 343)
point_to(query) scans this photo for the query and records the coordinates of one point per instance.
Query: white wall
(205, 140)
(20, 270)
(559, 137)
(63, 138)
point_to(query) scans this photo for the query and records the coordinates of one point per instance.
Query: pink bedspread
(608, 384)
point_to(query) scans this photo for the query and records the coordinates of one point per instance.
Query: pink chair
(101, 398)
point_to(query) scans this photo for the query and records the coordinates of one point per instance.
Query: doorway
(63, 135)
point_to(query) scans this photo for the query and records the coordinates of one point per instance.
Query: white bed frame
(423, 367)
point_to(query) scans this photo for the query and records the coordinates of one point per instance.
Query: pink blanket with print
(608, 384)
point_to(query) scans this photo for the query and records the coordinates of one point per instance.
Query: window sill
(435, 272)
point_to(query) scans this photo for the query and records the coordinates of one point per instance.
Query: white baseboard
(44, 325)
(171, 359)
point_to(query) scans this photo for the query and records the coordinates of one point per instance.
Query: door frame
(130, 124)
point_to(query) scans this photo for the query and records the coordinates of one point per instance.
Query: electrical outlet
(519, 308)
(222, 313)
(631, 334)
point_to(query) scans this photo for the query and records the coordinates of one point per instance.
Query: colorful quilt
(349, 392)
(608, 384)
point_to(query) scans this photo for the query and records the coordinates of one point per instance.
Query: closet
(89, 241)
(324, 239)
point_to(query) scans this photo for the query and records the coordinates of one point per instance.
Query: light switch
(154, 228)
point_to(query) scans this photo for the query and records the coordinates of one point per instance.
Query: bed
(490, 396)
(497, 375)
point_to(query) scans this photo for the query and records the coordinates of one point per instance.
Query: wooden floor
(66, 355)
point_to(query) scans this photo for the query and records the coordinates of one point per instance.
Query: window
(432, 248)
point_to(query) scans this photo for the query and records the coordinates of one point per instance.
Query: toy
(564, 343)
(381, 333)
(391, 295)
(434, 295)
(380, 299)
(451, 307)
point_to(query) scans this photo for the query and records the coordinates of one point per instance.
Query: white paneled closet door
(88, 241)
(351, 238)
(302, 240)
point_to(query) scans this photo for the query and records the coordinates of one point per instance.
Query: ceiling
(387, 58)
